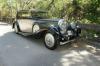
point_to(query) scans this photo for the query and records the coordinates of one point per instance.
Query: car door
(26, 25)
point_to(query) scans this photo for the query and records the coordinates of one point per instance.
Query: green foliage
(86, 11)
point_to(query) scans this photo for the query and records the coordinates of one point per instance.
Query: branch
(49, 6)
(27, 3)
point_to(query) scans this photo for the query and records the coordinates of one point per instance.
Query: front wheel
(50, 41)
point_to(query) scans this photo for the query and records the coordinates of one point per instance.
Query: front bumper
(68, 41)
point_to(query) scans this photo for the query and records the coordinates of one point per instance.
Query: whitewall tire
(50, 41)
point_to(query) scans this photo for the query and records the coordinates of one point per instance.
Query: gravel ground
(17, 50)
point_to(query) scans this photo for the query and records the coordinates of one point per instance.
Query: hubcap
(49, 40)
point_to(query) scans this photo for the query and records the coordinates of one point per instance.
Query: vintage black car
(54, 31)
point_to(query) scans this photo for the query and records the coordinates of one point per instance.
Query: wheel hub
(49, 40)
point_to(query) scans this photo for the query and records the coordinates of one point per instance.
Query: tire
(51, 41)
(16, 28)
(35, 30)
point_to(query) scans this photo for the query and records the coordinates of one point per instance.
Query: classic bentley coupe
(54, 31)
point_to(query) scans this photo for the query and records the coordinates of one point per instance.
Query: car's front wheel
(50, 41)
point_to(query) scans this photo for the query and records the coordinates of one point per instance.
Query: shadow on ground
(17, 50)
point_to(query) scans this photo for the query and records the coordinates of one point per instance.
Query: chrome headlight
(62, 24)
(73, 25)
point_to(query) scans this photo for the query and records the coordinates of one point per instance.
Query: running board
(25, 34)
(63, 43)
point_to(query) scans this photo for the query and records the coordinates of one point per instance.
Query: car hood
(50, 20)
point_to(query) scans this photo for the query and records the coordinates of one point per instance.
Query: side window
(23, 15)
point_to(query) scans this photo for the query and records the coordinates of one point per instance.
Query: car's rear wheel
(16, 28)
(35, 28)
(50, 41)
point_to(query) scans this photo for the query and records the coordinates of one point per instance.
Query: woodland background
(84, 11)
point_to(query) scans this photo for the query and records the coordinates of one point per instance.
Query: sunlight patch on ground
(26, 47)
(4, 29)
(11, 46)
(84, 52)
(91, 48)
(80, 55)
(73, 57)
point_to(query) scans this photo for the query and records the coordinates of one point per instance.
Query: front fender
(54, 30)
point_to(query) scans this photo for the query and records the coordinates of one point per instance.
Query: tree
(87, 11)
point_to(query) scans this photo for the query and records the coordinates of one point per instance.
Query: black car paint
(52, 26)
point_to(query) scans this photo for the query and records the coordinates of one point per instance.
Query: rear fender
(17, 25)
(13, 25)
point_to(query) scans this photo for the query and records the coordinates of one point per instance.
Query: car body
(54, 31)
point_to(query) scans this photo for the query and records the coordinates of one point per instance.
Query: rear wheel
(51, 41)
(35, 28)
(16, 28)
